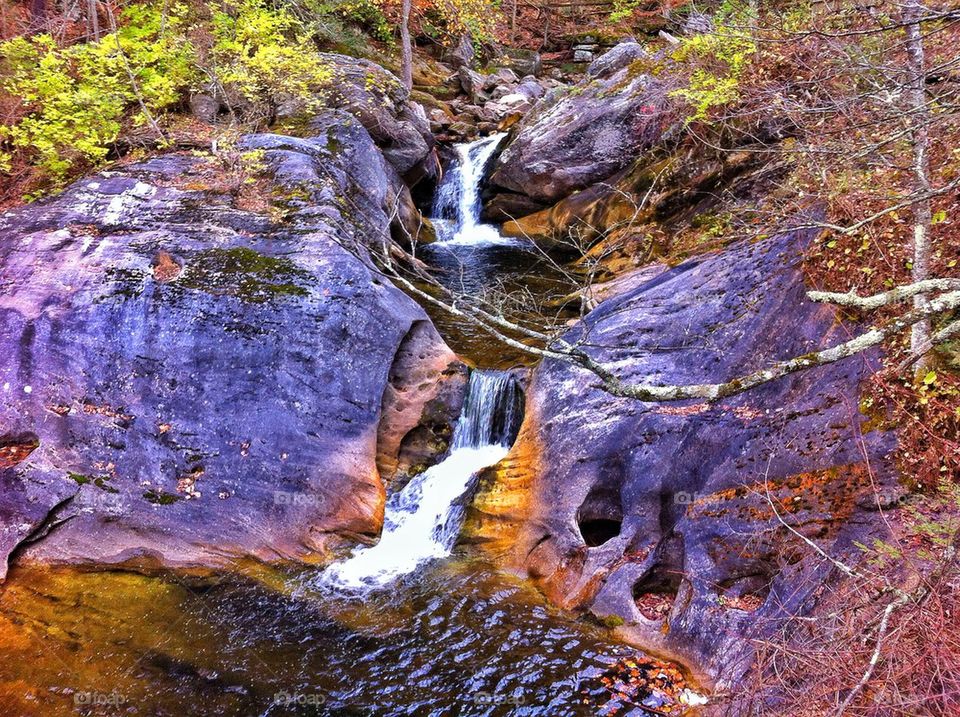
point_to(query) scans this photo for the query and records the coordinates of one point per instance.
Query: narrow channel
(423, 519)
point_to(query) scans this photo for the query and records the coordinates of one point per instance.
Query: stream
(471, 258)
(414, 625)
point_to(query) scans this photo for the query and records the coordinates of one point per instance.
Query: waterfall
(456, 206)
(492, 411)
(422, 520)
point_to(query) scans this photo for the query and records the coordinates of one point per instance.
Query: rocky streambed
(207, 384)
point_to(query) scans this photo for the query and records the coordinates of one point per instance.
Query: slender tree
(917, 112)
(406, 48)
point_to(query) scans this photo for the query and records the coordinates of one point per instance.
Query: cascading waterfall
(456, 206)
(421, 521)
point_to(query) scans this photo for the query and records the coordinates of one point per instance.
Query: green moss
(612, 621)
(159, 497)
(101, 483)
(80, 478)
(245, 274)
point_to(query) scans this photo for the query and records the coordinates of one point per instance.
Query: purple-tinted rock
(659, 513)
(208, 384)
(616, 58)
(572, 139)
(379, 100)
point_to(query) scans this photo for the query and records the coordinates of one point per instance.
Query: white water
(422, 521)
(456, 205)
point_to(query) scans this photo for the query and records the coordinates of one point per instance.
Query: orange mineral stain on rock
(505, 498)
(15, 449)
(165, 267)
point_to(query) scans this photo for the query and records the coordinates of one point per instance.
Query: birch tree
(406, 49)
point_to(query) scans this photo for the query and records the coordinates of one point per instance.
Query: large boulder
(461, 54)
(683, 520)
(382, 104)
(615, 59)
(187, 383)
(575, 137)
(521, 61)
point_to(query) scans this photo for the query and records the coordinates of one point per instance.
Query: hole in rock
(601, 515)
(655, 593)
(598, 531)
(747, 592)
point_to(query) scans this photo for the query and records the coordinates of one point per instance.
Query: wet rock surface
(186, 382)
(674, 517)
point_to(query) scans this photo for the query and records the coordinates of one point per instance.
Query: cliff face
(187, 382)
(684, 520)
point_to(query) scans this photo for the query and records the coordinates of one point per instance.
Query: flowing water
(402, 628)
(458, 640)
(473, 259)
(422, 520)
(413, 625)
(456, 206)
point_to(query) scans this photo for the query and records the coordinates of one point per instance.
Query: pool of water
(526, 284)
(459, 639)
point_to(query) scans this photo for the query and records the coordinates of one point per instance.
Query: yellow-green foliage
(76, 97)
(261, 52)
(719, 58)
(367, 13)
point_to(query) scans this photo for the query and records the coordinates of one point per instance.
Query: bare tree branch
(900, 293)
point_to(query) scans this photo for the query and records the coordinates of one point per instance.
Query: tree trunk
(918, 116)
(406, 48)
(92, 15)
(546, 25)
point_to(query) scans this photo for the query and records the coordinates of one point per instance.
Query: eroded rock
(205, 383)
(673, 517)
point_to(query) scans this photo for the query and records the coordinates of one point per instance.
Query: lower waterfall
(422, 520)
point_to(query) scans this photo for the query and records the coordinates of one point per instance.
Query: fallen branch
(873, 337)
(901, 600)
(558, 348)
(900, 293)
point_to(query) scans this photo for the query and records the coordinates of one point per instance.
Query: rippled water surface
(513, 274)
(458, 640)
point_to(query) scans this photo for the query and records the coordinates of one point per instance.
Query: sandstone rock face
(186, 383)
(572, 139)
(673, 517)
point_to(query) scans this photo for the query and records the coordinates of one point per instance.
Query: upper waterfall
(456, 206)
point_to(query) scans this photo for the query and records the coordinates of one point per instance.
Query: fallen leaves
(654, 686)
(15, 450)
